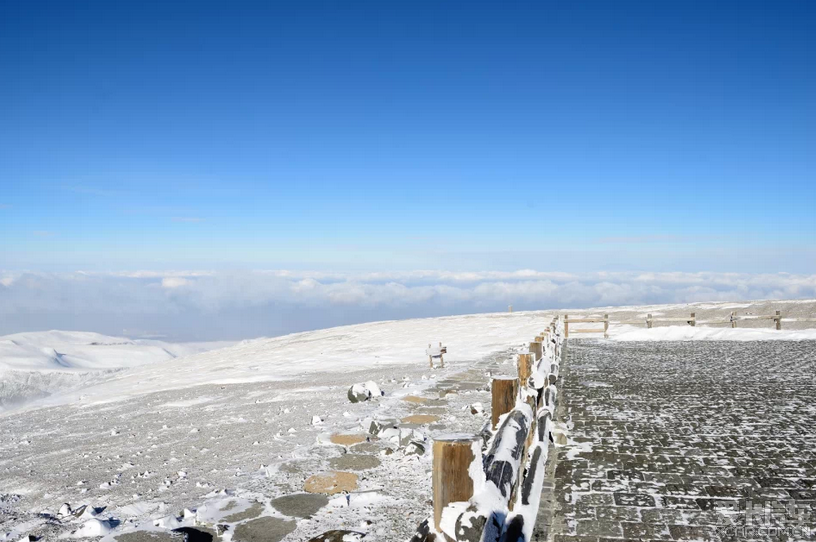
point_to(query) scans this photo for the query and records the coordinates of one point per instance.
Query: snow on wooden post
(504, 391)
(649, 321)
(778, 320)
(693, 321)
(525, 369)
(566, 326)
(606, 326)
(733, 318)
(452, 460)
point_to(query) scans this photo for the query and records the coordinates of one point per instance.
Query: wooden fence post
(566, 326)
(536, 348)
(649, 321)
(778, 320)
(452, 458)
(525, 369)
(733, 319)
(430, 357)
(504, 391)
(693, 321)
(606, 326)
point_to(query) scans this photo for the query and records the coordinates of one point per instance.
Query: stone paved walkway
(687, 441)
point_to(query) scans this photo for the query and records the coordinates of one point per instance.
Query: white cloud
(174, 282)
(214, 305)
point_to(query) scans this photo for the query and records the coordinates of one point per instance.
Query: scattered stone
(266, 529)
(300, 505)
(476, 409)
(365, 447)
(347, 440)
(376, 426)
(149, 536)
(317, 420)
(420, 419)
(363, 392)
(331, 483)
(354, 462)
(250, 513)
(415, 448)
(338, 536)
(196, 534)
(414, 399)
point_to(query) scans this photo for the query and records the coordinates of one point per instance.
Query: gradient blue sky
(571, 136)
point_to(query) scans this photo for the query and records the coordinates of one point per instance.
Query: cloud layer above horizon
(203, 305)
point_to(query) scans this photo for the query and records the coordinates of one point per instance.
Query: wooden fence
(692, 320)
(489, 489)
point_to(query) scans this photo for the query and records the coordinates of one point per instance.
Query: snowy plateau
(112, 438)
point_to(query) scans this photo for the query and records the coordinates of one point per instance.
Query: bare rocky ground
(240, 456)
(686, 441)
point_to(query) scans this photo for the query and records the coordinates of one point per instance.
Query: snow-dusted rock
(415, 448)
(363, 392)
(95, 527)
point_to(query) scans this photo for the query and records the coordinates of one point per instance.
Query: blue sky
(366, 136)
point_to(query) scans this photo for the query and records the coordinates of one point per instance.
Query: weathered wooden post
(509, 308)
(566, 326)
(430, 357)
(441, 355)
(537, 348)
(778, 320)
(649, 321)
(693, 321)
(733, 318)
(525, 369)
(504, 391)
(606, 326)
(452, 459)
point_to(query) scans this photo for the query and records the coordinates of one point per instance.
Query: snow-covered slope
(42, 363)
(348, 348)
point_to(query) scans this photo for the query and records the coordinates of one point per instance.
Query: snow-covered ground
(224, 433)
(37, 364)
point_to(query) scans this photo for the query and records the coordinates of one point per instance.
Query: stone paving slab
(685, 441)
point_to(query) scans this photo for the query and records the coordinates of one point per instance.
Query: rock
(420, 419)
(414, 399)
(365, 448)
(363, 392)
(331, 483)
(196, 534)
(64, 511)
(347, 440)
(354, 462)
(338, 536)
(149, 536)
(415, 448)
(266, 529)
(376, 426)
(317, 420)
(300, 505)
(255, 510)
(476, 408)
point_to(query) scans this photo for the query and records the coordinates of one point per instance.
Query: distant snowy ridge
(38, 364)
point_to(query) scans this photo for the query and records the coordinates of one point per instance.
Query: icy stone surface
(672, 440)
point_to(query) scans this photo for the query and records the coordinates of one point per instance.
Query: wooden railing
(489, 490)
(692, 320)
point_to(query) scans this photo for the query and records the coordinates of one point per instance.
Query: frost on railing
(499, 499)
